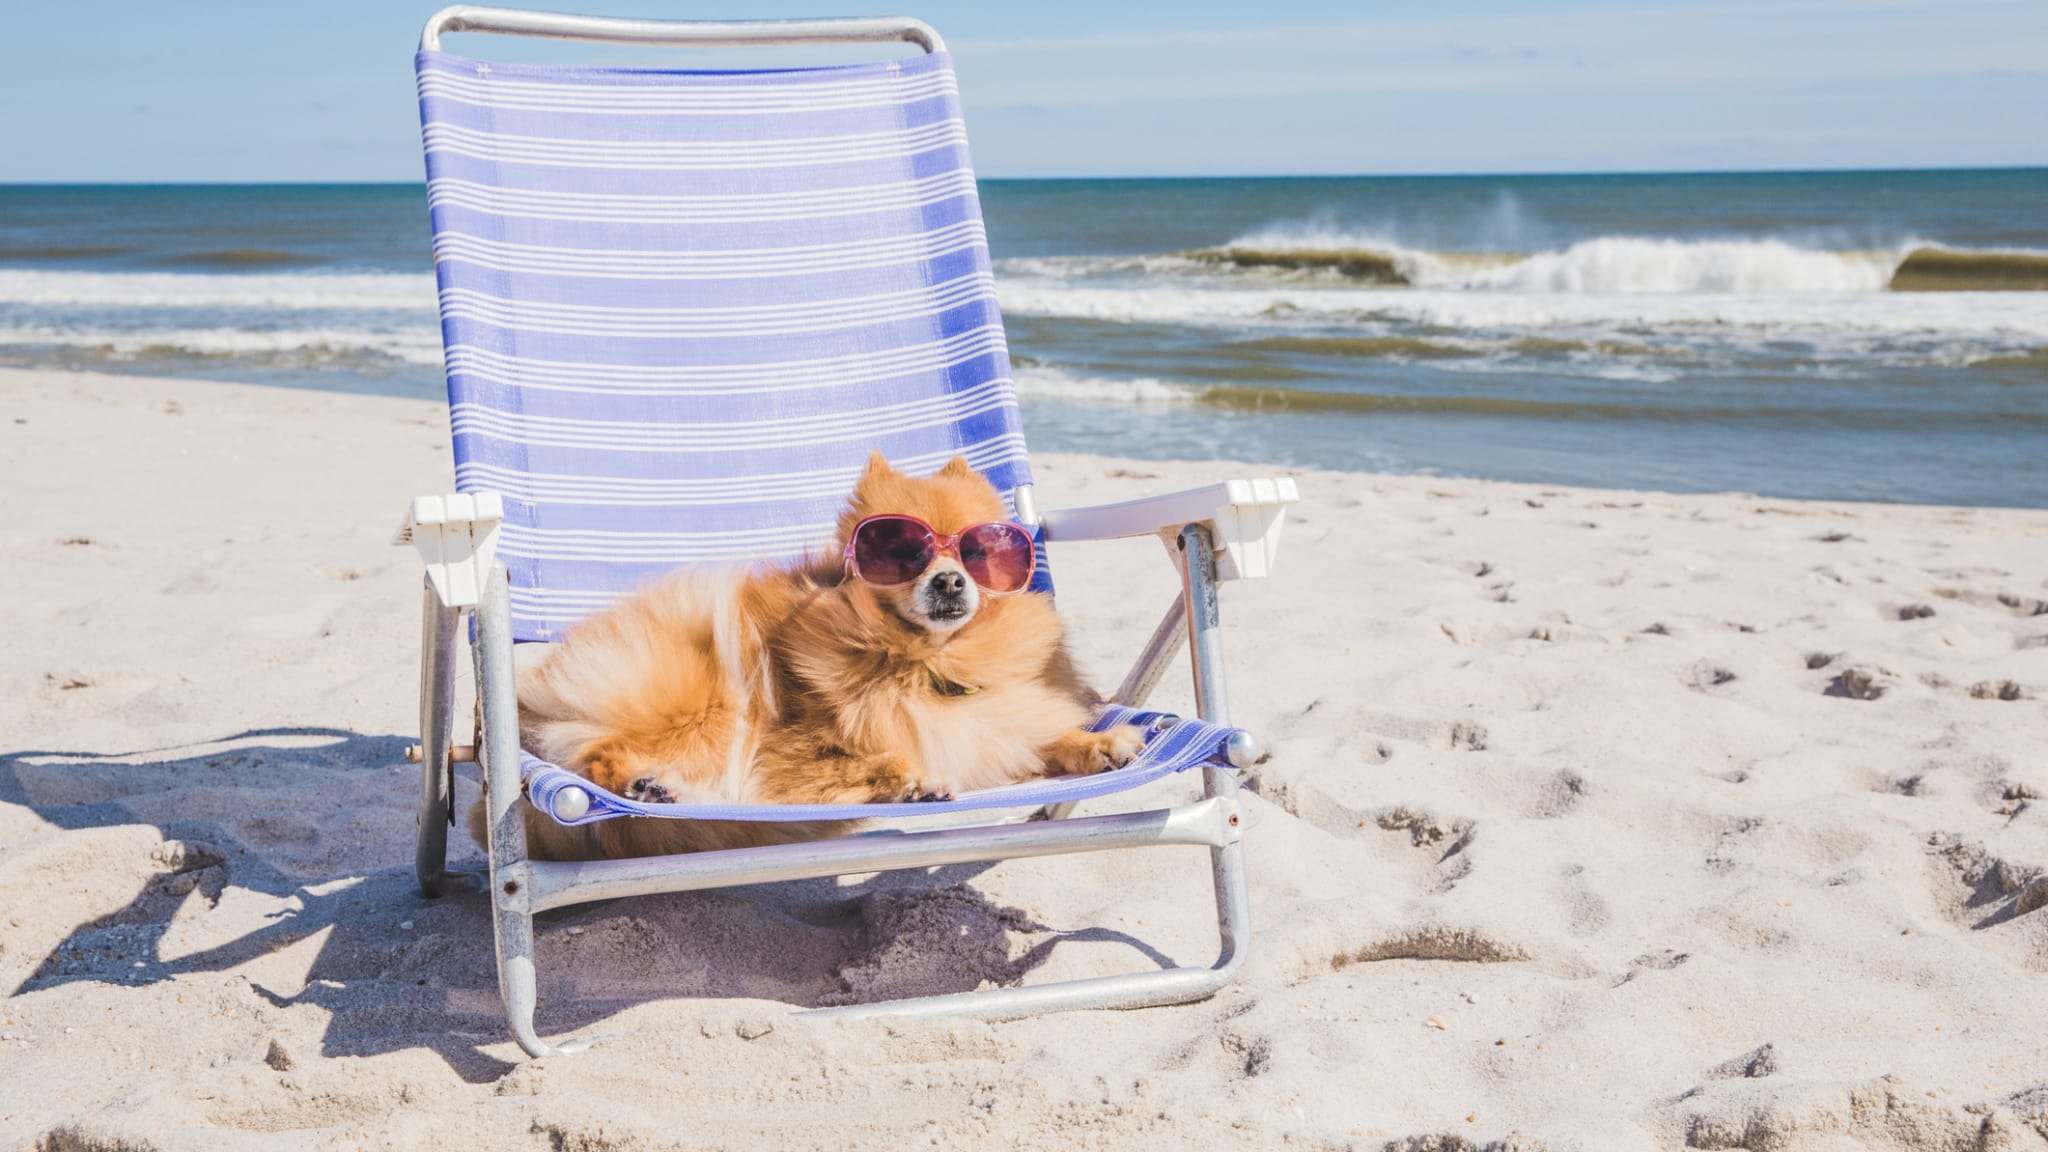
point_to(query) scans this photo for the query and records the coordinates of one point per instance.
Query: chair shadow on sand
(397, 971)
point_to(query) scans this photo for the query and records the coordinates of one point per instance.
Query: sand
(1592, 819)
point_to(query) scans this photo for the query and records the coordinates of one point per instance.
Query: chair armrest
(457, 538)
(1244, 518)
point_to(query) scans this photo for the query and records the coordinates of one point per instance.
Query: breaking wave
(1045, 382)
(1959, 270)
(1634, 265)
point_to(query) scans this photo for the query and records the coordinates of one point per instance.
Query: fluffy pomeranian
(815, 683)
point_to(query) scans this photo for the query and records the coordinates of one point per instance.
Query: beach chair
(679, 309)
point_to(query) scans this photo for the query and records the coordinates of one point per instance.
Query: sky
(152, 91)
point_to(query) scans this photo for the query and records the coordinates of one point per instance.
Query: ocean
(1858, 335)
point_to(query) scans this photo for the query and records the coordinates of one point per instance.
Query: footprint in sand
(2012, 798)
(1707, 676)
(1662, 960)
(1859, 684)
(1999, 888)
(1882, 1113)
(2005, 603)
(1996, 690)
(1751, 1065)
(1558, 796)
(1424, 828)
(1586, 913)
(1729, 851)
(1469, 735)
(1253, 1053)
(1913, 785)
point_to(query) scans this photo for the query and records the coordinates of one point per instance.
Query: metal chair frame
(1232, 523)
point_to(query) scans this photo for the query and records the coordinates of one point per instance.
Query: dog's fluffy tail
(674, 681)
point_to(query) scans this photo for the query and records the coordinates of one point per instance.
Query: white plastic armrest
(1244, 517)
(457, 538)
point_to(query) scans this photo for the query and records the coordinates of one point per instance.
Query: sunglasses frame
(944, 544)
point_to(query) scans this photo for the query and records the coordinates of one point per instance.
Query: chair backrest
(681, 307)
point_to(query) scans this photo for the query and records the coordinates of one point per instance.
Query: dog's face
(944, 599)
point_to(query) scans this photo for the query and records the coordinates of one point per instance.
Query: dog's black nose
(949, 584)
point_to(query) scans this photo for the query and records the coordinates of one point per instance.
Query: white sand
(1569, 837)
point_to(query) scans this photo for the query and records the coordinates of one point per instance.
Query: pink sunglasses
(891, 551)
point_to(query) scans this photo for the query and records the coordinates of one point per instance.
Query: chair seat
(1173, 746)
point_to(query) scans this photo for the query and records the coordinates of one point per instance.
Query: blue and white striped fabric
(1174, 745)
(680, 308)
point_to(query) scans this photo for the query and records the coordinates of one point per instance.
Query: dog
(813, 683)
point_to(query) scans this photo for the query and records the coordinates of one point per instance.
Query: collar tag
(945, 687)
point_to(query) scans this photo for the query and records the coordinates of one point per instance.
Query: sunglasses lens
(998, 556)
(892, 550)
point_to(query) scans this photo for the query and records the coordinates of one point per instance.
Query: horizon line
(1553, 174)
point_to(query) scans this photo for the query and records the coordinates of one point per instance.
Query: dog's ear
(877, 472)
(873, 483)
(958, 468)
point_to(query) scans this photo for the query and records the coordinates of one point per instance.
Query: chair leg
(437, 707)
(510, 890)
(1205, 635)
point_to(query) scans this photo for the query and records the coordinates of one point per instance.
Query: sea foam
(409, 344)
(2005, 316)
(1628, 266)
(286, 291)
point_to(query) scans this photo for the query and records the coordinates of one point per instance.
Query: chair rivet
(511, 887)
(414, 753)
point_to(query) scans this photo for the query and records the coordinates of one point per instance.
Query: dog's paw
(1080, 753)
(892, 779)
(913, 790)
(647, 790)
(1121, 744)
